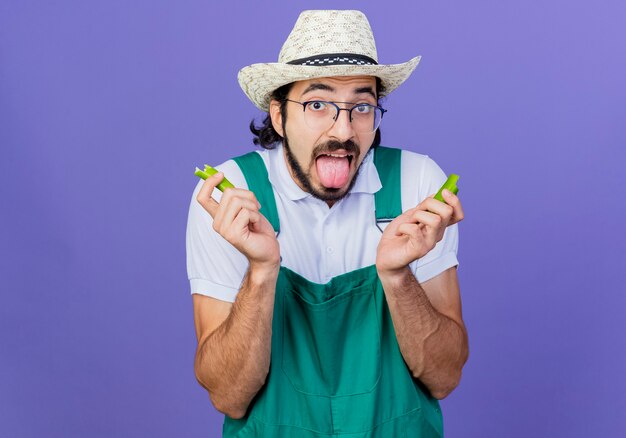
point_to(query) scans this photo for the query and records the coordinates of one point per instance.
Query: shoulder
(421, 177)
(420, 165)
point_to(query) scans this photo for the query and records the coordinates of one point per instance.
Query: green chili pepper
(209, 171)
(450, 184)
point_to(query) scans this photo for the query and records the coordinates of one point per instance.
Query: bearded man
(325, 292)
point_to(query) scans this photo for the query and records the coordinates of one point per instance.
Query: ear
(276, 117)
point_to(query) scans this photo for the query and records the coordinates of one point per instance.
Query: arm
(233, 355)
(234, 340)
(429, 327)
(427, 318)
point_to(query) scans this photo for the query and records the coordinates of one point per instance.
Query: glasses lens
(319, 115)
(366, 118)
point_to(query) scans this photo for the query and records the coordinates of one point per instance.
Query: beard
(304, 178)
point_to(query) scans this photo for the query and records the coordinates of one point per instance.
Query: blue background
(107, 107)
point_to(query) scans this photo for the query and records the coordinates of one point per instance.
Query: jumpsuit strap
(388, 199)
(255, 172)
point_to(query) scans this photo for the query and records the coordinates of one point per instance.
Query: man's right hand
(238, 220)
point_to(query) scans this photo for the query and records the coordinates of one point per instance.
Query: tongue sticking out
(333, 171)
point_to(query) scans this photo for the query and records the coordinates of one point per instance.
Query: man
(325, 293)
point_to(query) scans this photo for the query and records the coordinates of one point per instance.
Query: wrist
(394, 277)
(261, 273)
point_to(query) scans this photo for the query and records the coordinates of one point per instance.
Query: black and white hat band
(335, 59)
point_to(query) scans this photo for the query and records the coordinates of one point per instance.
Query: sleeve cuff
(213, 290)
(432, 269)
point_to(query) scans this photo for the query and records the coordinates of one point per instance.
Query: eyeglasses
(320, 115)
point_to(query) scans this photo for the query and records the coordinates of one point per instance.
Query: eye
(363, 108)
(317, 105)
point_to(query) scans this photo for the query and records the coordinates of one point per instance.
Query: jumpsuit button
(330, 250)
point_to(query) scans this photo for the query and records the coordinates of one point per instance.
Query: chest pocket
(332, 347)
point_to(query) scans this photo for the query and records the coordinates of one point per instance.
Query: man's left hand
(415, 232)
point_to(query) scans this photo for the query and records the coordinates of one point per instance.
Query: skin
(234, 340)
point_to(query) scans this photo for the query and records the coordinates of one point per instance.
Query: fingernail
(446, 192)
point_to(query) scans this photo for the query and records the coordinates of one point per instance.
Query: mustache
(334, 145)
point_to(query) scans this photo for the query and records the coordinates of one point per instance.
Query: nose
(342, 129)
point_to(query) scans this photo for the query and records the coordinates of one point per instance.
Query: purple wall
(106, 107)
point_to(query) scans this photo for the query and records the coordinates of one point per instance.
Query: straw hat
(323, 44)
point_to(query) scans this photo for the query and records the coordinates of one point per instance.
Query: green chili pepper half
(209, 171)
(450, 184)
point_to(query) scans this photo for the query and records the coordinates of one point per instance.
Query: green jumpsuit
(336, 369)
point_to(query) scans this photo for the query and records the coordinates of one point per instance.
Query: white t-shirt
(316, 241)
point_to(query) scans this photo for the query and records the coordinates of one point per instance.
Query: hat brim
(258, 81)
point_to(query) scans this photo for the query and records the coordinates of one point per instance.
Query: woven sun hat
(323, 44)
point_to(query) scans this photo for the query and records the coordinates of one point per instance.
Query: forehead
(338, 84)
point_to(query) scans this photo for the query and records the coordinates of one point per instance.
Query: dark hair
(266, 136)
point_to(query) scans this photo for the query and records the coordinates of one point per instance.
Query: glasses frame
(356, 105)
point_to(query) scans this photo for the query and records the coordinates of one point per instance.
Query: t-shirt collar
(280, 178)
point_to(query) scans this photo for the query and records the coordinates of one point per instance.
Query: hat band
(335, 59)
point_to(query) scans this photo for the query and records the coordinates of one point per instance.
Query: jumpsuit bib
(336, 369)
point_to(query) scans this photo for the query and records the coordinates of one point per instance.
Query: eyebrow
(367, 90)
(319, 86)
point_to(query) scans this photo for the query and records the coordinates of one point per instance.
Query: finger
(414, 231)
(239, 193)
(430, 220)
(255, 217)
(259, 224)
(240, 224)
(453, 201)
(230, 208)
(432, 236)
(432, 227)
(434, 206)
(204, 195)
(228, 196)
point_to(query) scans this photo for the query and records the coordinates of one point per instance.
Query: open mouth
(333, 168)
(347, 155)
